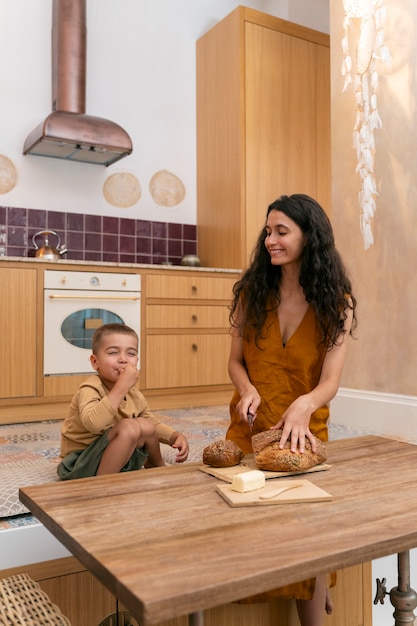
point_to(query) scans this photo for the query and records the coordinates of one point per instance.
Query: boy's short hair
(109, 329)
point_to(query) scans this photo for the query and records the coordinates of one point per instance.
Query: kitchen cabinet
(263, 127)
(184, 339)
(18, 332)
(187, 331)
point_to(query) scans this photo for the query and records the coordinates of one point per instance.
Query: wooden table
(166, 544)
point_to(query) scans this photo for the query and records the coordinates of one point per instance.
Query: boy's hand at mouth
(128, 375)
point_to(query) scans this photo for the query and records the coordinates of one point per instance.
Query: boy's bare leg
(149, 439)
(122, 443)
(155, 458)
(311, 612)
(124, 437)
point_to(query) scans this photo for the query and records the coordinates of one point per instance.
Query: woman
(291, 315)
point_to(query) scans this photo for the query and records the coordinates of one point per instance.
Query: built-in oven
(75, 304)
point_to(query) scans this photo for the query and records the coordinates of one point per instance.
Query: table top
(166, 544)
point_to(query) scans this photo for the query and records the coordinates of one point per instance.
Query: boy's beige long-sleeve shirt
(91, 414)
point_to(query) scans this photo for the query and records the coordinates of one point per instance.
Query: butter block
(248, 481)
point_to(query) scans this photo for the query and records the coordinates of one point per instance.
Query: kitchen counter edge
(95, 264)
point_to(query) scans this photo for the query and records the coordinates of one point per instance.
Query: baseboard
(182, 398)
(158, 400)
(18, 414)
(380, 413)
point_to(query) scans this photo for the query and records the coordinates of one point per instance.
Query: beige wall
(384, 357)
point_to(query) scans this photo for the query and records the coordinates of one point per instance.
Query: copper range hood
(68, 133)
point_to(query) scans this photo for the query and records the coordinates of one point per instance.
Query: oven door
(70, 319)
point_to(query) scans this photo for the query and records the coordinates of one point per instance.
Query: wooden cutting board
(305, 492)
(248, 464)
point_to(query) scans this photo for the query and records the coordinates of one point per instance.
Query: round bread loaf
(269, 456)
(222, 453)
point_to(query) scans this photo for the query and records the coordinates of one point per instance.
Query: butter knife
(277, 492)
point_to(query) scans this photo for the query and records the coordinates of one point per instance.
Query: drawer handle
(194, 288)
(194, 318)
(194, 347)
(93, 296)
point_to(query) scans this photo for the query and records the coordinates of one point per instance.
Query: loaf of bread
(248, 481)
(222, 453)
(269, 456)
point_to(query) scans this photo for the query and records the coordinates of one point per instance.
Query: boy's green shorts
(84, 463)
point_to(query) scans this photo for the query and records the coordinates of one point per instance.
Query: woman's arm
(249, 397)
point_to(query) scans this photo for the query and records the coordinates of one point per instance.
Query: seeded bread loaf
(222, 453)
(268, 455)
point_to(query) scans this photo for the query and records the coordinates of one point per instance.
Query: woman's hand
(295, 425)
(248, 404)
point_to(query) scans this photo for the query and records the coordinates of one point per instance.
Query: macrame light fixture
(370, 16)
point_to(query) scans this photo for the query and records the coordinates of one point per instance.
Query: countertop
(137, 266)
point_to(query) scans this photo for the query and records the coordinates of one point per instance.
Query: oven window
(78, 328)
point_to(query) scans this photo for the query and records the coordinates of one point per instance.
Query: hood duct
(68, 133)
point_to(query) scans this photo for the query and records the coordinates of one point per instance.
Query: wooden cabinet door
(287, 98)
(18, 320)
(187, 360)
(263, 127)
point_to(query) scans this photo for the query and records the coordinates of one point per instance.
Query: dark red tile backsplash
(96, 237)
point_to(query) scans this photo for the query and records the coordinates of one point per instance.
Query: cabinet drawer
(186, 316)
(190, 287)
(187, 360)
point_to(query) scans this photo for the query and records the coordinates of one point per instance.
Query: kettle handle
(46, 233)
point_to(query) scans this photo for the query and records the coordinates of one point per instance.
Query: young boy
(109, 427)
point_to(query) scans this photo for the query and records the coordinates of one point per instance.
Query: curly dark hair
(323, 276)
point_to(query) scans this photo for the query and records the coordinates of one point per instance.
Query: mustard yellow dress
(281, 374)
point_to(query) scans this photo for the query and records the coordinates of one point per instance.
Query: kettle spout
(62, 250)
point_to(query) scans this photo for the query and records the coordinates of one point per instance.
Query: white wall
(317, 17)
(140, 74)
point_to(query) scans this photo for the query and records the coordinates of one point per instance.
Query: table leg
(403, 598)
(196, 619)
